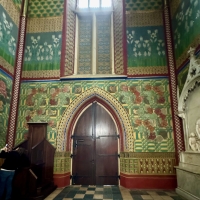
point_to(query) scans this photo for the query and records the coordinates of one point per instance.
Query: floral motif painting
(147, 103)
(8, 37)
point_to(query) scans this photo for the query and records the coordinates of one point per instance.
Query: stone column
(17, 76)
(177, 126)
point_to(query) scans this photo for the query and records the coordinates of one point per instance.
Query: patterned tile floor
(79, 192)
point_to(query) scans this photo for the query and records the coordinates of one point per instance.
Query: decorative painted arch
(110, 103)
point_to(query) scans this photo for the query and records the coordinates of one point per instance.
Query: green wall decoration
(18, 4)
(186, 26)
(145, 46)
(5, 97)
(8, 37)
(144, 5)
(42, 51)
(45, 8)
(147, 103)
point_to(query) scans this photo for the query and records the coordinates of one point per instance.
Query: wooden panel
(95, 144)
(106, 148)
(83, 150)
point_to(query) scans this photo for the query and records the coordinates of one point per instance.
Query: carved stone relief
(189, 105)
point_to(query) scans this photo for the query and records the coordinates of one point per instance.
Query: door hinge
(71, 156)
(118, 155)
(119, 177)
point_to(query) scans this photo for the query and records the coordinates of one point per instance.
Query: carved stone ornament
(192, 81)
(186, 103)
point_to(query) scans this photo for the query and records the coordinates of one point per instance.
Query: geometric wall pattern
(146, 102)
(67, 66)
(118, 30)
(85, 45)
(147, 163)
(62, 162)
(45, 8)
(103, 44)
(18, 4)
(144, 5)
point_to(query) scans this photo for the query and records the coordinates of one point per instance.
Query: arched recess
(110, 103)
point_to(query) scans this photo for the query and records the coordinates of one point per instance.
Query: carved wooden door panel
(95, 148)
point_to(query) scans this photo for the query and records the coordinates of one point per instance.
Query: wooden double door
(95, 148)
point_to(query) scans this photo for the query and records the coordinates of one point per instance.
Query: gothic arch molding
(110, 103)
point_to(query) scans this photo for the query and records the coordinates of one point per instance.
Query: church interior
(102, 92)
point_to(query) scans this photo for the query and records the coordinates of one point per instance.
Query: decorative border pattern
(147, 70)
(177, 125)
(147, 163)
(118, 36)
(70, 38)
(144, 18)
(38, 25)
(41, 74)
(69, 113)
(5, 65)
(62, 162)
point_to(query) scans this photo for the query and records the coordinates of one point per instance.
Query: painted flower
(51, 123)
(161, 100)
(124, 88)
(66, 89)
(28, 118)
(148, 87)
(163, 123)
(158, 111)
(150, 110)
(40, 112)
(138, 122)
(146, 123)
(138, 100)
(3, 88)
(1, 105)
(152, 136)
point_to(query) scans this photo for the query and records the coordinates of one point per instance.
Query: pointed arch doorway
(95, 148)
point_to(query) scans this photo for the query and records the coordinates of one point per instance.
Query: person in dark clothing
(14, 160)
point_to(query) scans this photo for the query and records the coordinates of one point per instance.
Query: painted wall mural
(147, 103)
(186, 28)
(8, 40)
(145, 38)
(5, 98)
(146, 47)
(42, 55)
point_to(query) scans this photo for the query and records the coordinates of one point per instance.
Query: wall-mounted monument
(188, 171)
